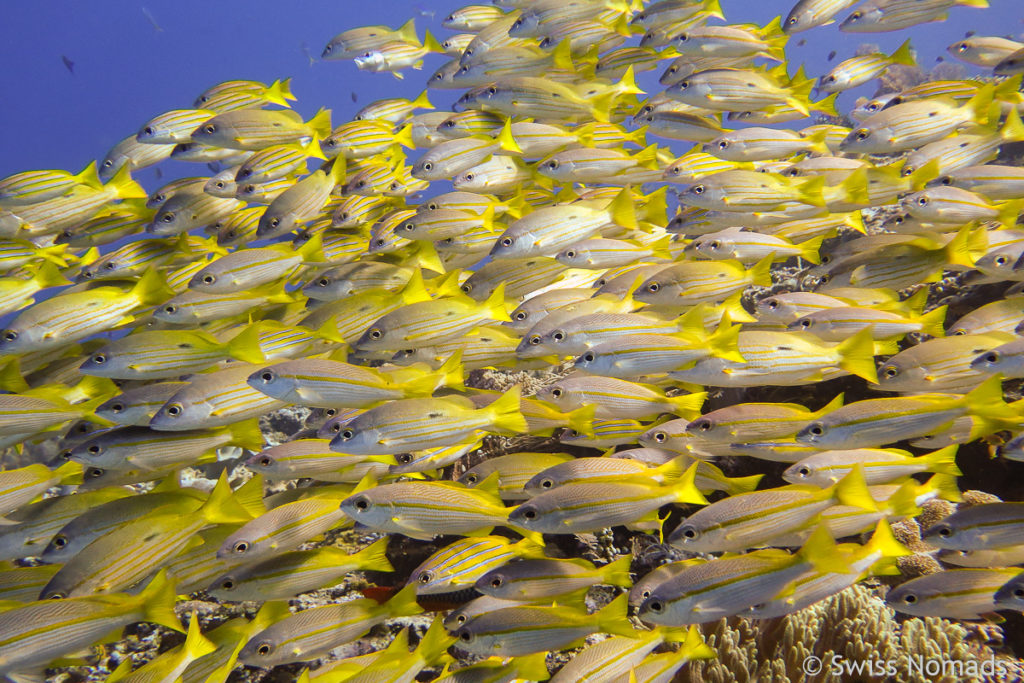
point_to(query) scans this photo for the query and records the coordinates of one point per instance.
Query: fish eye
(804, 471)
(10, 335)
(466, 637)
(427, 165)
(772, 305)
(170, 309)
(1000, 260)
(792, 21)
(697, 189)
(94, 449)
(58, 595)
(547, 483)
(108, 163)
(404, 458)
(723, 144)
(408, 227)
(946, 180)
(856, 15)
(890, 371)
(426, 577)
(910, 598)
(472, 478)
(323, 282)
(907, 170)
(922, 201)
(168, 217)
(805, 323)
(992, 357)
(556, 393)
(588, 357)
(534, 340)
(175, 409)
(266, 461)
(492, 90)
(496, 582)
(469, 177)
(558, 335)
(683, 85)
(347, 434)
(656, 606)
(830, 79)
(673, 69)
(862, 134)
(466, 287)
(362, 504)
(380, 242)
(375, 333)
(240, 547)
(60, 540)
(653, 287)
(267, 376)
(816, 429)
(94, 473)
(99, 359)
(660, 437)
(521, 315)
(507, 242)
(715, 244)
(689, 533)
(209, 279)
(117, 407)
(331, 412)
(553, 164)
(963, 47)
(210, 128)
(945, 532)
(148, 130)
(263, 649)
(682, 38)
(274, 222)
(529, 513)
(227, 584)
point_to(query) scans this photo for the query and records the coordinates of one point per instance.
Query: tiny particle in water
(68, 64)
(831, 56)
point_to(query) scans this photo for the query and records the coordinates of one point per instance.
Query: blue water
(125, 71)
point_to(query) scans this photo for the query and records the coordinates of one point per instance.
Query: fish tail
(622, 209)
(434, 642)
(430, 43)
(986, 405)
(1008, 213)
(11, 377)
(743, 484)
(776, 39)
(494, 305)
(617, 573)
(89, 176)
(977, 108)
(933, 322)
(855, 221)
(581, 419)
(246, 346)
(760, 274)
(724, 342)
(422, 102)
(857, 356)
(561, 56)
(151, 289)
(945, 486)
(733, 307)
(884, 543)
(320, 124)
(820, 551)
(694, 647)
(854, 188)
(373, 556)
(505, 413)
(980, 4)
(280, 92)
(685, 489)
(250, 495)
(903, 503)
(852, 490)
(688, 404)
(943, 461)
(158, 599)
(505, 139)
(403, 603)
(659, 249)
(532, 667)
(809, 191)
(196, 645)
(713, 8)
(809, 249)
(124, 187)
(903, 55)
(222, 507)
(1013, 128)
(612, 618)
(407, 32)
(827, 105)
(834, 404)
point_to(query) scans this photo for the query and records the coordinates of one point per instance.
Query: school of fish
(651, 257)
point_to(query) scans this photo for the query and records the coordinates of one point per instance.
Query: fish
(981, 527)
(954, 593)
